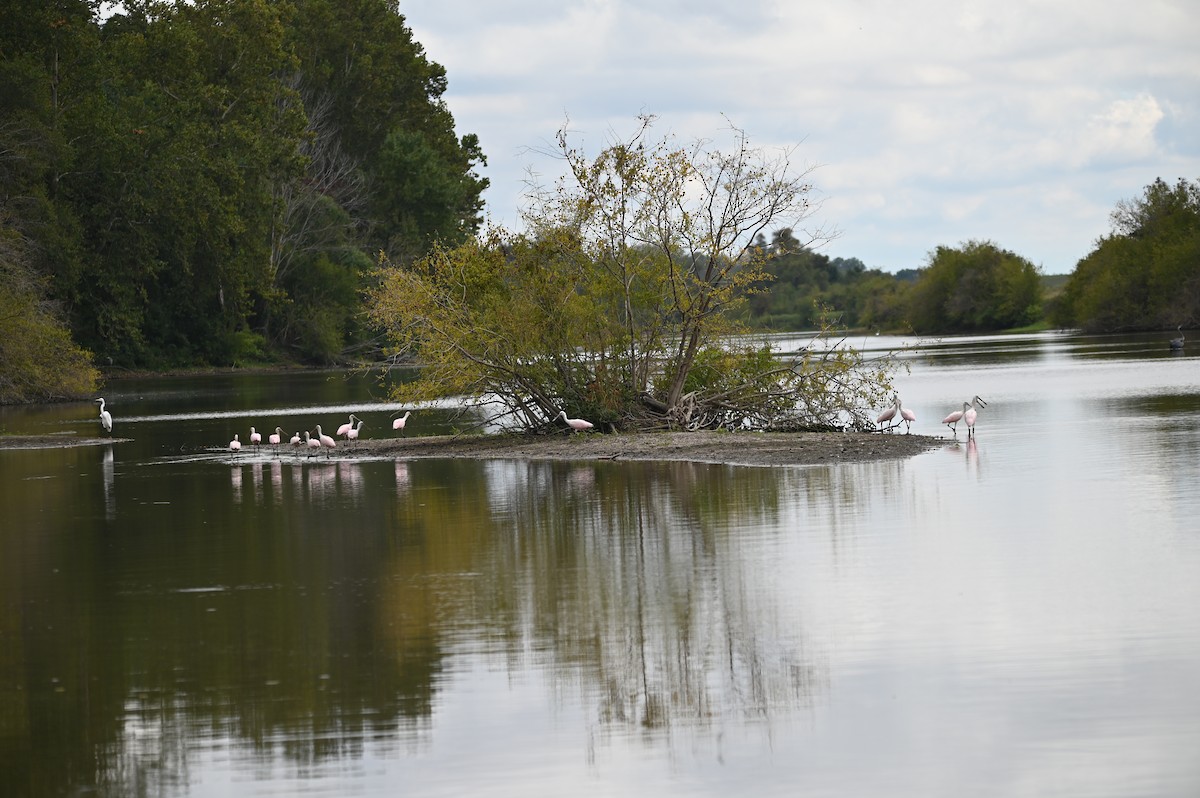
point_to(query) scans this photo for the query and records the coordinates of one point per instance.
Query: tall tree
(616, 303)
(1146, 273)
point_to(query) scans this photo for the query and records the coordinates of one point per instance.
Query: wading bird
(255, 437)
(400, 422)
(1176, 344)
(324, 441)
(311, 443)
(105, 416)
(968, 414)
(906, 414)
(235, 445)
(576, 424)
(295, 440)
(344, 430)
(887, 415)
(276, 437)
(352, 434)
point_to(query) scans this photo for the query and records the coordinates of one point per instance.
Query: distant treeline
(1145, 275)
(201, 182)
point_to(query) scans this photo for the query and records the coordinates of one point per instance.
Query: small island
(701, 446)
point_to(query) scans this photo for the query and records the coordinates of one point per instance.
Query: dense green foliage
(975, 287)
(615, 306)
(203, 182)
(38, 359)
(978, 287)
(806, 288)
(1145, 275)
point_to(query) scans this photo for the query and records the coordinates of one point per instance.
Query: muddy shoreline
(740, 448)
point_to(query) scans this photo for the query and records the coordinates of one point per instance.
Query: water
(1017, 615)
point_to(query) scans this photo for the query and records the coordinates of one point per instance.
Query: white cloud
(934, 123)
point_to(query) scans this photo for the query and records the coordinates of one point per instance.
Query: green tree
(616, 305)
(976, 287)
(1146, 273)
(38, 360)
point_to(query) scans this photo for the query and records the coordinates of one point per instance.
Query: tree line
(207, 181)
(1143, 275)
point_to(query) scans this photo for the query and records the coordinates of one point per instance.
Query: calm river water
(1015, 616)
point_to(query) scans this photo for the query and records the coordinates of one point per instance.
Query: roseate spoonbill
(576, 424)
(276, 437)
(400, 422)
(311, 443)
(887, 415)
(352, 434)
(1176, 344)
(235, 445)
(952, 420)
(906, 414)
(344, 430)
(295, 440)
(105, 416)
(968, 413)
(324, 440)
(255, 437)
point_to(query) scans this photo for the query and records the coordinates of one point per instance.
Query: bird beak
(983, 402)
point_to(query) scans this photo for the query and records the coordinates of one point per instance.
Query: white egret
(105, 416)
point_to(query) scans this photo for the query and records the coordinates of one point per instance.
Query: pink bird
(887, 415)
(344, 430)
(255, 437)
(295, 440)
(968, 413)
(324, 441)
(352, 435)
(311, 443)
(235, 445)
(276, 437)
(576, 424)
(906, 414)
(400, 422)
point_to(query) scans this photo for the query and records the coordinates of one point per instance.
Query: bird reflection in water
(109, 469)
(235, 481)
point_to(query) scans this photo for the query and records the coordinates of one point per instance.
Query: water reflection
(288, 624)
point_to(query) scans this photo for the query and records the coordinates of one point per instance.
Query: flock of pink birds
(350, 432)
(897, 413)
(316, 440)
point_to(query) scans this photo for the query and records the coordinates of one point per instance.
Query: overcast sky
(931, 123)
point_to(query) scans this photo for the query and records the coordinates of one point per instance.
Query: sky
(926, 123)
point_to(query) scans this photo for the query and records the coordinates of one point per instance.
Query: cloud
(931, 122)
